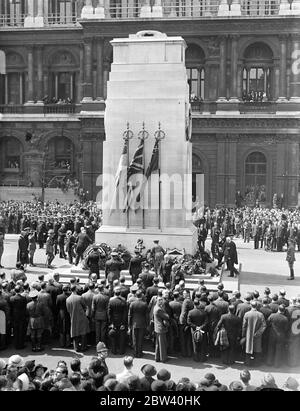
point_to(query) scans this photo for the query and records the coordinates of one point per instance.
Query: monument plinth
(148, 89)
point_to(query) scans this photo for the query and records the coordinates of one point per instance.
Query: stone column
(293, 172)
(99, 10)
(223, 8)
(30, 70)
(281, 170)
(29, 19)
(220, 189)
(40, 91)
(88, 62)
(39, 20)
(295, 69)
(146, 9)
(87, 10)
(230, 159)
(222, 72)
(235, 9)
(283, 83)
(296, 8)
(157, 10)
(80, 82)
(284, 7)
(234, 69)
(99, 75)
(30, 8)
(106, 68)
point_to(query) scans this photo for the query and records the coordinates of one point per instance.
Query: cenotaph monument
(147, 126)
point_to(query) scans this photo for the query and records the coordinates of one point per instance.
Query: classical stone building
(243, 65)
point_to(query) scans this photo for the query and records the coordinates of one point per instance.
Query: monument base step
(191, 282)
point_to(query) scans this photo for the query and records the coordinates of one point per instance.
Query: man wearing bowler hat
(149, 372)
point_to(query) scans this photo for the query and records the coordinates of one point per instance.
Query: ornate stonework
(245, 123)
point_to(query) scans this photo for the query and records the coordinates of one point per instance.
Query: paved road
(260, 269)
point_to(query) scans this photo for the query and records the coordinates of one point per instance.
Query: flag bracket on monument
(143, 134)
(159, 134)
(128, 134)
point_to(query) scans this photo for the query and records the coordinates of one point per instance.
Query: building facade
(243, 67)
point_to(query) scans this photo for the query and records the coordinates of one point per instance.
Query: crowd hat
(236, 386)
(101, 346)
(40, 366)
(163, 375)
(158, 385)
(16, 360)
(2, 365)
(33, 294)
(148, 370)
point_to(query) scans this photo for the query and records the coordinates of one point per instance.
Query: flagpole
(143, 135)
(127, 136)
(159, 135)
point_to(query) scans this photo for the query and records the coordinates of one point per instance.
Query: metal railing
(60, 19)
(7, 20)
(122, 12)
(256, 8)
(59, 108)
(178, 8)
(11, 109)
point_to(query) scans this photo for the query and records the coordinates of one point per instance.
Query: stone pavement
(259, 269)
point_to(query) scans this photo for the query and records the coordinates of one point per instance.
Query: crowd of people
(20, 375)
(269, 228)
(254, 96)
(158, 311)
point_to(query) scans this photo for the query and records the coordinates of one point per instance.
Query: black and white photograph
(150, 198)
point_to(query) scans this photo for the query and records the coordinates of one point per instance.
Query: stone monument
(148, 100)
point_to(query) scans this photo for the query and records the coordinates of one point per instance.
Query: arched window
(195, 61)
(256, 176)
(10, 151)
(257, 73)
